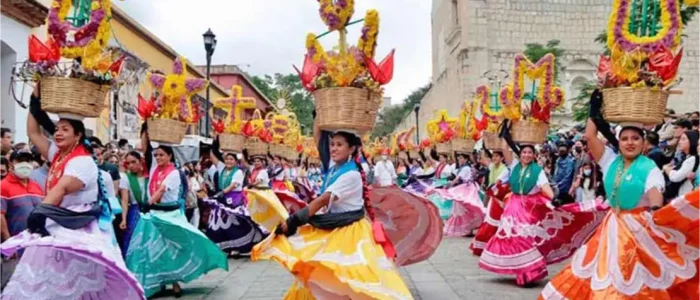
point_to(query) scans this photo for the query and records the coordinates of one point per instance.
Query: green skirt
(443, 205)
(166, 249)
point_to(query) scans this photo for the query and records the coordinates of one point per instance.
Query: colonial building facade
(471, 37)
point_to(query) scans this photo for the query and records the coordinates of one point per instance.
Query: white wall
(14, 48)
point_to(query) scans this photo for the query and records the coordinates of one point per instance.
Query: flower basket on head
(231, 142)
(73, 96)
(346, 108)
(277, 150)
(493, 142)
(443, 148)
(529, 132)
(256, 147)
(166, 130)
(462, 145)
(637, 105)
(346, 83)
(413, 153)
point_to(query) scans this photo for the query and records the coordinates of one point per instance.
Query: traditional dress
(442, 173)
(401, 175)
(302, 186)
(340, 263)
(165, 248)
(136, 185)
(532, 234)
(497, 195)
(82, 263)
(230, 226)
(467, 209)
(635, 253)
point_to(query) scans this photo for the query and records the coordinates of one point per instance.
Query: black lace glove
(36, 223)
(557, 203)
(594, 112)
(505, 134)
(313, 114)
(40, 115)
(654, 208)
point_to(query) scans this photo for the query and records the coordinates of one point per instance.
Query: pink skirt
(487, 229)
(412, 223)
(467, 209)
(532, 234)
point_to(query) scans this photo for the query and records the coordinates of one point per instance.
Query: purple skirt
(69, 264)
(230, 227)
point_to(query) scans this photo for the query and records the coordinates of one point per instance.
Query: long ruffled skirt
(232, 229)
(488, 229)
(636, 254)
(412, 223)
(532, 235)
(328, 264)
(132, 218)
(69, 264)
(166, 249)
(467, 209)
(290, 200)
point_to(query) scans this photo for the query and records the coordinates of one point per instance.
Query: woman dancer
(401, 172)
(132, 187)
(165, 248)
(230, 226)
(69, 248)
(467, 208)
(639, 251)
(302, 184)
(308, 242)
(532, 234)
(442, 176)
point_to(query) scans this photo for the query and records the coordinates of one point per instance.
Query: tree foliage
(392, 116)
(299, 101)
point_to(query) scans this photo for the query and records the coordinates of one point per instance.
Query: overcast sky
(269, 35)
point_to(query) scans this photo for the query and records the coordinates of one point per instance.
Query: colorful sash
(496, 173)
(522, 181)
(226, 177)
(438, 170)
(629, 189)
(335, 172)
(159, 175)
(136, 188)
(58, 165)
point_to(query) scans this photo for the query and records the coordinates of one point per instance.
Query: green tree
(392, 116)
(299, 101)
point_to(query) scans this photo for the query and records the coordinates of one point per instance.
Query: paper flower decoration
(234, 107)
(85, 41)
(384, 72)
(43, 53)
(218, 126)
(254, 128)
(177, 90)
(336, 13)
(441, 129)
(665, 64)
(548, 95)
(146, 108)
(620, 37)
(308, 72)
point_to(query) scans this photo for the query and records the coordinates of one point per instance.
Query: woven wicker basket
(346, 108)
(493, 142)
(73, 96)
(443, 148)
(255, 147)
(528, 132)
(413, 154)
(462, 145)
(231, 142)
(637, 105)
(166, 131)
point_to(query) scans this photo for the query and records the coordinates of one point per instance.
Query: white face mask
(384, 157)
(587, 172)
(23, 170)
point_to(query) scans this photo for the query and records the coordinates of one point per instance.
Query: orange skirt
(636, 255)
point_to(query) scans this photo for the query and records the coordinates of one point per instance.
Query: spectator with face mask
(18, 195)
(384, 171)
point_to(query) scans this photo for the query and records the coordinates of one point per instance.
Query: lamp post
(495, 79)
(416, 109)
(209, 47)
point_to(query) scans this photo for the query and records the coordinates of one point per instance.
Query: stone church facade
(471, 37)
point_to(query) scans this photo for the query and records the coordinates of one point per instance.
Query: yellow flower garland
(372, 23)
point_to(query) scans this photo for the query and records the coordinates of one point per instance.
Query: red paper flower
(604, 72)
(116, 66)
(40, 52)
(539, 112)
(664, 63)
(146, 108)
(300, 148)
(308, 72)
(218, 126)
(425, 143)
(247, 129)
(383, 73)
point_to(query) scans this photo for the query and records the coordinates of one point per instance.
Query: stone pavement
(451, 273)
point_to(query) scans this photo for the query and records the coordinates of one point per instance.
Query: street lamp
(209, 47)
(416, 108)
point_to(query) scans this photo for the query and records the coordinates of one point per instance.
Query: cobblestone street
(451, 273)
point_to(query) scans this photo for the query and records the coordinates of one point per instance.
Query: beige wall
(487, 34)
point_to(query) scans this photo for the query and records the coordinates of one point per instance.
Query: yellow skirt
(343, 263)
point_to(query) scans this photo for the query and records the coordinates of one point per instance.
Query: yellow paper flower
(367, 42)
